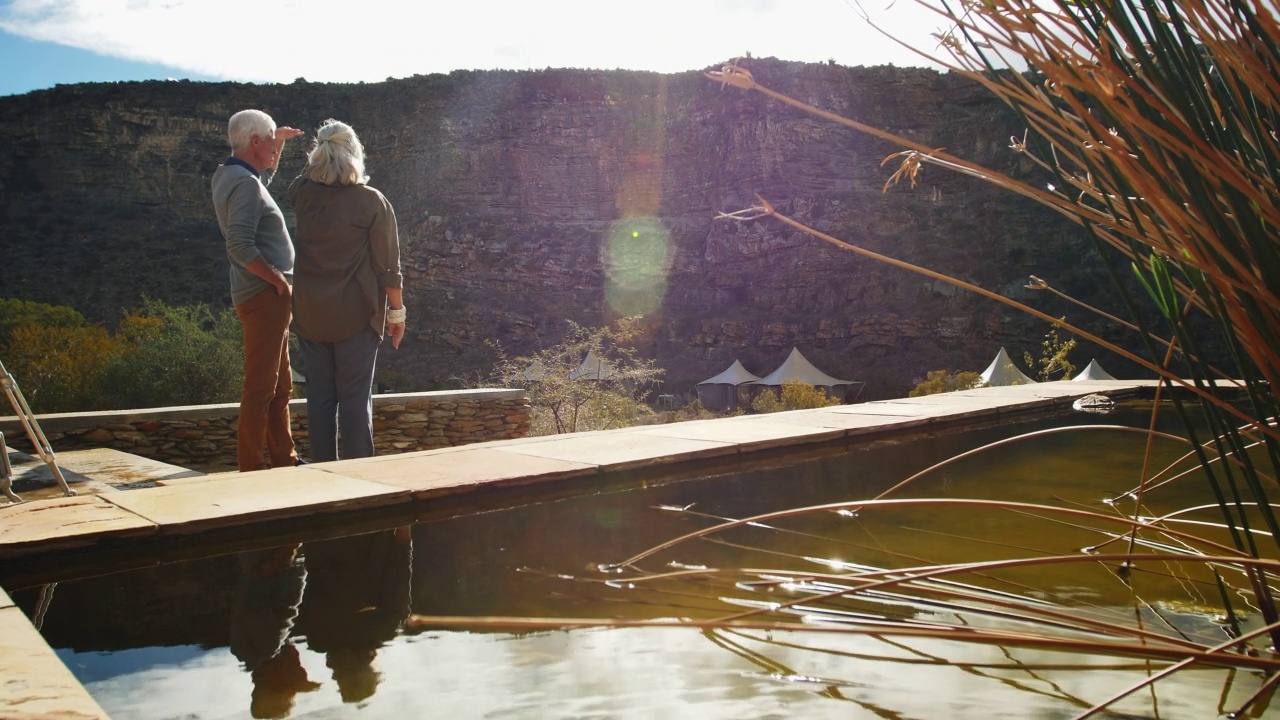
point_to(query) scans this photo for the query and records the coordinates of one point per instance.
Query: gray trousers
(340, 395)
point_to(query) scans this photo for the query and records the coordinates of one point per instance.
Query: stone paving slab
(94, 470)
(851, 423)
(1057, 390)
(981, 403)
(5, 600)
(949, 406)
(194, 479)
(431, 474)
(33, 480)
(898, 409)
(747, 432)
(33, 681)
(612, 451)
(65, 522)
(253, 497)
(118, 468)
(1023, 395)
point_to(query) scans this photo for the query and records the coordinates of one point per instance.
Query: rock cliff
(528, 198)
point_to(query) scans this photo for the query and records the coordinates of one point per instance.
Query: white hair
(337, 156)
(245, 124)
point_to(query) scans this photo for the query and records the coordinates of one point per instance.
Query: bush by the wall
(795, 395)
(160, 355)
(941, 381)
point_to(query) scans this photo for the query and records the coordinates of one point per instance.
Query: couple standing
(343, 293)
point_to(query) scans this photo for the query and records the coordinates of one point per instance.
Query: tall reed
(1154, 123)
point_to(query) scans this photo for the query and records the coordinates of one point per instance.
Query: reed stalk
(1154, 123)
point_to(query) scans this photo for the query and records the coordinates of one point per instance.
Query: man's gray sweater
(252, 225)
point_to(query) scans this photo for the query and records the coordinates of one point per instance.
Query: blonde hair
(337, 156)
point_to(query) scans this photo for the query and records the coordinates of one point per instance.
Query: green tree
(15, 313)
(943, 381)
(593, 380)
(795, 395)
(174, 356)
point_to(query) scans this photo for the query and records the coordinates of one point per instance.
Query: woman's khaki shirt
(348, 248)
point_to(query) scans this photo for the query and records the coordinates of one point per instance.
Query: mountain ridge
(526, 198)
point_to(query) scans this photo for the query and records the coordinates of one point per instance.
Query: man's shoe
(300, 461)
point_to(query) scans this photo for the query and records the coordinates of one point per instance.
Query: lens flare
(637, 250)
(637, 261)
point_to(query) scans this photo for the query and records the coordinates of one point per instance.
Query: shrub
(160, 355)
(59, 369)
(1053, 358)
(795, 395)
(174, 356)
(942, 381)
(15, 313)
(567, 399)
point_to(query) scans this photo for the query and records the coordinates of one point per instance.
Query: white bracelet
(395, 316)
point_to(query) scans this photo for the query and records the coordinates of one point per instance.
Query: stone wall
(203, 437)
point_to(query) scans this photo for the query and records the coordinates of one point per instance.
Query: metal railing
(9, 385)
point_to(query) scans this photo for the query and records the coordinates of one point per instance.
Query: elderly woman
(347, 290)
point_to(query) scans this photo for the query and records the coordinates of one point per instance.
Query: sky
(48, 42)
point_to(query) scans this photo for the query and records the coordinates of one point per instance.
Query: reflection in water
(267, 596)
(357, 598)
(347, 597)
(331, 612)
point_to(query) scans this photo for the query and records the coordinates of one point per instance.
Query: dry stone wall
(203, 437)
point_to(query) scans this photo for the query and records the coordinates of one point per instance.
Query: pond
(358, 626)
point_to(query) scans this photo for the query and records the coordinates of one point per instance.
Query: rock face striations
(528, 198)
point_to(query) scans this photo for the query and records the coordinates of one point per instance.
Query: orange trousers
(268, 382)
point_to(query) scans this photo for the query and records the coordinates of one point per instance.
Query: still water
(323, 625)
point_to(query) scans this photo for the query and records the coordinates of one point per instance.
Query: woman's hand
(395, 312)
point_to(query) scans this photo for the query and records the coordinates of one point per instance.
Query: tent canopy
(535, 372)
(727, 390)
(1093, 371)
(797, 368)
(1003, 372)
(735, 374)
(592, 368)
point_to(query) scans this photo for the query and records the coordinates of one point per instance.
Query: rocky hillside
(528, 198)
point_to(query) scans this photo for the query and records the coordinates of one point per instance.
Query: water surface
(323, 622)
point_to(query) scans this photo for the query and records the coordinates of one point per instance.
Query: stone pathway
(169, 504)
(89, 472)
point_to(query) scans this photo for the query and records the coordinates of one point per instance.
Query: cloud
(370, 40)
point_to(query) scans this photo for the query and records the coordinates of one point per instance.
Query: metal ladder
(20, 407)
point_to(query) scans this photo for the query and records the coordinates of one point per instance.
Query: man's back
(252, 226)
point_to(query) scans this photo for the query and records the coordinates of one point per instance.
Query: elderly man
(261, 255)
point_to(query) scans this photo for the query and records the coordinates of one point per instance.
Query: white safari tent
(726, 390)
(592, 368)
(535, 372)
(1003, 372)
(797, 368)
(1093, 371)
